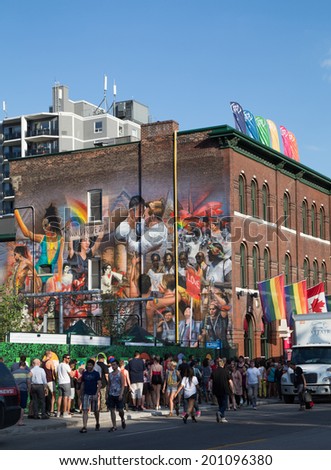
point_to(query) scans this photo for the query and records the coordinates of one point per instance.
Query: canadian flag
(316, 299)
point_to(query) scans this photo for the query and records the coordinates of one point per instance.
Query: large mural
(129, 254)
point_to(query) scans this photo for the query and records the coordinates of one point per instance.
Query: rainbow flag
(273, 298)
(296, 300)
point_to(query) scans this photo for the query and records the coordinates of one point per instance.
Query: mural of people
(107, 279)
(24, 271)
(168, 264)
(78, 260)
(51, 243)
(215, 324)
(155, 273)
(166, 327)
(219, 269)
(189, 329)
(143, 230)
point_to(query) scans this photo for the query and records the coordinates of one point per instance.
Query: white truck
(311, 351)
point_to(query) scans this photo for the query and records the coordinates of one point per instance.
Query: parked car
(10, 409)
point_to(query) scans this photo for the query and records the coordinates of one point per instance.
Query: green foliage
(11, 351)
(11, 306)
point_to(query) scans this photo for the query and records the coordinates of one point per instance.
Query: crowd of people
(52, 389)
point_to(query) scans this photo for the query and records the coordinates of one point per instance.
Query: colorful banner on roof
(294, 146)
(239, 118)
(251, 125)
(263, 130)
(273, 298)
(287, 148)
(274, 139)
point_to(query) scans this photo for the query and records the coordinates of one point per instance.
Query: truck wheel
(288, 399)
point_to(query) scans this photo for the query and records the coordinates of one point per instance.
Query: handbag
(308, 400)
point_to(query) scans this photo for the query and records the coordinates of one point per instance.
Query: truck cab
(312, 352)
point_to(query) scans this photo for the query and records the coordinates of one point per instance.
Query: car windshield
(311, 355)
(6, 378)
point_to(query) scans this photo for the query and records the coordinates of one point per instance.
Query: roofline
(250, 147)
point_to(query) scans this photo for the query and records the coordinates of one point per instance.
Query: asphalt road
(274, 426)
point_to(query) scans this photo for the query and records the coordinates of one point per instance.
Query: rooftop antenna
(114, 99)
(100, 110)
(4, 109)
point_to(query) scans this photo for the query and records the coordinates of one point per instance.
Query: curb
(76, 420)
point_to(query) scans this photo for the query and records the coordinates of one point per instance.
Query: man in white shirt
(64, 373)
(253, 377)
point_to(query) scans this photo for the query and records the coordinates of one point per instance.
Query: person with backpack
(170, 385)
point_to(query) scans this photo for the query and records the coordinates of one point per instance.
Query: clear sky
(185, 59)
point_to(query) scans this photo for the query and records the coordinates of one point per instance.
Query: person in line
(49, 368)
(156, 371)
(104, 381)
(89, 390)
(190, 387)
(115, 393)
(22, 376)
(136, 369)
(170, 386)
(127, 384)
(222, 387)
(64, 374)
(206, 374)
(253, 378)
(39, 389)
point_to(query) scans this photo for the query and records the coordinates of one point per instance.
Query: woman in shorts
(170, 386)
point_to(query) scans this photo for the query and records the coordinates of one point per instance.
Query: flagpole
(191, 314)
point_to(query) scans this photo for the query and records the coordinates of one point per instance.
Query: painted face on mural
(85, 244)
(213, 310)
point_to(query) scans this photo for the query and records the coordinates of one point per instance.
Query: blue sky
(186, 60)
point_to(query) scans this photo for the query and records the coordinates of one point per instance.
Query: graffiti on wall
(133, 246)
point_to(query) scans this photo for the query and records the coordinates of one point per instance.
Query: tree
(11, 307)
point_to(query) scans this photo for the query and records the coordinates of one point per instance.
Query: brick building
(244, 213)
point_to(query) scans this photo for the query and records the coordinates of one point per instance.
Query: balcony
(45, 150)
(12, 135)
(40, 132)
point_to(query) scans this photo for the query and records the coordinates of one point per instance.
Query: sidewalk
(40, 425)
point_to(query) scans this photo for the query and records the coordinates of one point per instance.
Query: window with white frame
(98, 126)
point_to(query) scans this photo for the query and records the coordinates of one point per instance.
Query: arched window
(304, 209)
(324, 276)
(286, 209)
(315, 272)
(254, 198)
(288, 276)
(242, 194)
(243, 266)
(313, 220)
(306, 271)
(256, 273)
(322, 223)
(265, 202)
(266, 263)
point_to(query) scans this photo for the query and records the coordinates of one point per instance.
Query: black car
(10, 409)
